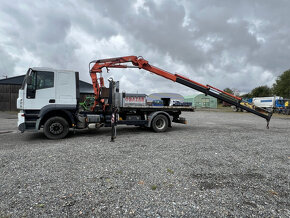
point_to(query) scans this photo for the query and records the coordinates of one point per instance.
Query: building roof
(16, 80)
(193, 95)
(85, 88)
(197, 94)
(158, 96)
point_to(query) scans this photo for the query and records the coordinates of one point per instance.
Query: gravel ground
(219, 165)
(8, 122)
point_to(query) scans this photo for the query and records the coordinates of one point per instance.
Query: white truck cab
(44, 90)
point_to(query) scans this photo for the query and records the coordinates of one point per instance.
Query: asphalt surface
(219, 165)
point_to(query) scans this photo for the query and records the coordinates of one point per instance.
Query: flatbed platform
(158, 108)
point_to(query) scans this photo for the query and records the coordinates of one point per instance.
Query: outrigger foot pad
(268, 119)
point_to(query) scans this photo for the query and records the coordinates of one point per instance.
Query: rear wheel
(160, 123)
(56, 128)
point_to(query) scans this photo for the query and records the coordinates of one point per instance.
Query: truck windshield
(280, 102)
(24, 81)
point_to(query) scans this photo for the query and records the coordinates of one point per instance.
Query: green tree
(247, 96)
(282, 85)
(262, 91)
(228, 90)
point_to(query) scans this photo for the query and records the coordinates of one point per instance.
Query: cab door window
(44, 80)
(39, 80)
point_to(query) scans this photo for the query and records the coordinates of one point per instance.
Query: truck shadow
(106, 132)
(128, 130)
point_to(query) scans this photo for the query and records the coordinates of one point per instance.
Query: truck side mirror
(29, 80)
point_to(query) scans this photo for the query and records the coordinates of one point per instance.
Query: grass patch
(120, 171)
(153, 187)
(170, 171)
(40, 205)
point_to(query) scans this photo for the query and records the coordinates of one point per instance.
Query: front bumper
(21, 122)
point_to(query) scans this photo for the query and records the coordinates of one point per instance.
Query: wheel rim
(160, 123)
(56, 128)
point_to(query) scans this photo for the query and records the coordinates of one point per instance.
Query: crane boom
(141, 63)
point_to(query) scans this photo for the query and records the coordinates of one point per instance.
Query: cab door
(41, 90)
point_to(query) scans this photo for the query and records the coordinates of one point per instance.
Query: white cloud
(222, 43)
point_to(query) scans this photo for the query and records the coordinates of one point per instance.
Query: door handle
(51, 100)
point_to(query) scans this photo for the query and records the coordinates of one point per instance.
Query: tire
(56, 128)
(160, 123)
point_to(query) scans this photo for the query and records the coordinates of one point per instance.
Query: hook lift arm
(141, 63)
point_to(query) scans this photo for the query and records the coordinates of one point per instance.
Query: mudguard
(67, 109)
(154, 114)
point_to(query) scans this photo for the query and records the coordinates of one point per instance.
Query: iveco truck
(49, 100)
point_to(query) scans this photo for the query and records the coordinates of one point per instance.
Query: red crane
(141, 63)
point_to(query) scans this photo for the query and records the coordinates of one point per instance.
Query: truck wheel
(56, 128)
(160, 123)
